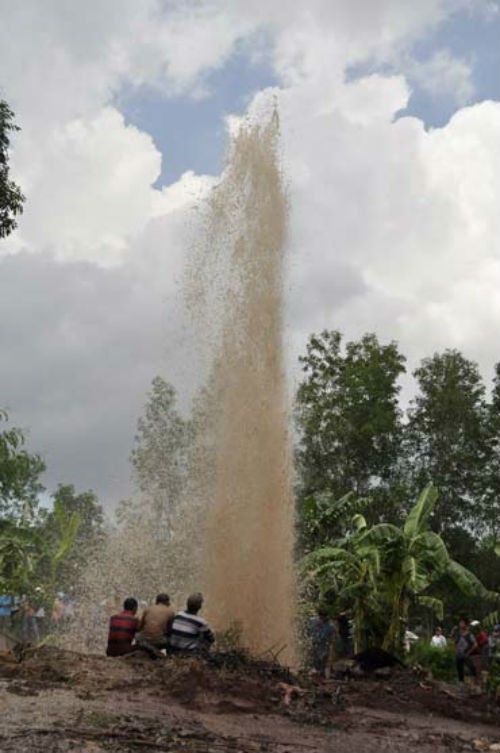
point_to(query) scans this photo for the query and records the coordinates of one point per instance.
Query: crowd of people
(475, 649)
(28, 616)
(159, 628)
(329, 638)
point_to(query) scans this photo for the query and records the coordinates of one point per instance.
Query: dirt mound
(59, 700)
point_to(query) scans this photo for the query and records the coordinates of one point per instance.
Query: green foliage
(21, 550)
(446, 439)
(11, 197)
(382, 570)
(493, 682)
(29, 559)
(439, 661)
(89, 535)
(160, 454)
(349, 422)
(20, 473)
(324, 518)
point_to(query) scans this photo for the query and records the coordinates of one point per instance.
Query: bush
(439, 661)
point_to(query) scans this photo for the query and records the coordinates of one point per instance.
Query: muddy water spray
(237, 287)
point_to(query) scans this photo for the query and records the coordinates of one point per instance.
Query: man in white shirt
(438, 640)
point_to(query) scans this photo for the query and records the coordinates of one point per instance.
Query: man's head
(323, 613)
(496, 631)
(439, 630)
(463, 623)
(194, 603)
(130, 605)
(163, 599)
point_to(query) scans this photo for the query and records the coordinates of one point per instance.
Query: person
(155, 624)
(122, 629)
(465, 644)
(438, 640)
(6, 611)
(321, 635)
(494, 642)
(29, 628)
(344, 648)
(58, 609)
(189, 632)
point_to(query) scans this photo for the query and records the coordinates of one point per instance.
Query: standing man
(465, 645)
(321, 635)
(155, 624)
(438, 640)
(6, 609)
(344, 628)
(190, 633)
(122, 629)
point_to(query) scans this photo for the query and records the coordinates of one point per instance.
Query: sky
(390, 119)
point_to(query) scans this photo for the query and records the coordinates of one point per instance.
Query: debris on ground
(58, 700)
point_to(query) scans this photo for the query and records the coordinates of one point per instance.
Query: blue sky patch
(190, 133)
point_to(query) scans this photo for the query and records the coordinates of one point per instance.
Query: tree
(446, 440)
(348, 417)
(159, 457)
(89, 536)
(20, 473)
(29, 559)
(385, 569)
(11, 197)
(490, 480)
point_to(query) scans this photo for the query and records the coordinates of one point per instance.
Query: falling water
(236, 286)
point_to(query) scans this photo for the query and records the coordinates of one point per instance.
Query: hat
(474, 623)
(497, 628)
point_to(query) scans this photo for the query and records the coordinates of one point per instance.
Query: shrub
(439, 661)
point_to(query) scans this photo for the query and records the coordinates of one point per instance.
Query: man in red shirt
(122, 629)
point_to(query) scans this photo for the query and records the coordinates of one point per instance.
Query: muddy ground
(54, 700)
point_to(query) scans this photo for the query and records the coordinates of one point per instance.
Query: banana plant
(385, 569)
(21, 548)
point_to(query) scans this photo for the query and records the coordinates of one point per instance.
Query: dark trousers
(462, 662)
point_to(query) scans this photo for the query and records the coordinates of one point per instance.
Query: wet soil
(54, 700)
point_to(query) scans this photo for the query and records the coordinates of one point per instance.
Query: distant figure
(480, 654)
(438, 640)
(6, 610)
(494, 642)
(344, 644)
(189, 632)
(465, 644)
(155, 624)
(58, 608)
(122, 630)
(29, 628)
(321, 636)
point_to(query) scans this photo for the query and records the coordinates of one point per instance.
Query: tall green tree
(446, 439)
(89, 536)
(348, 418)
(11, 197)
(160, 452)
(20, 473)
(490, 479)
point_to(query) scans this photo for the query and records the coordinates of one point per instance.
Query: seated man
(189, 632)
(155, 623)
(122, 629)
